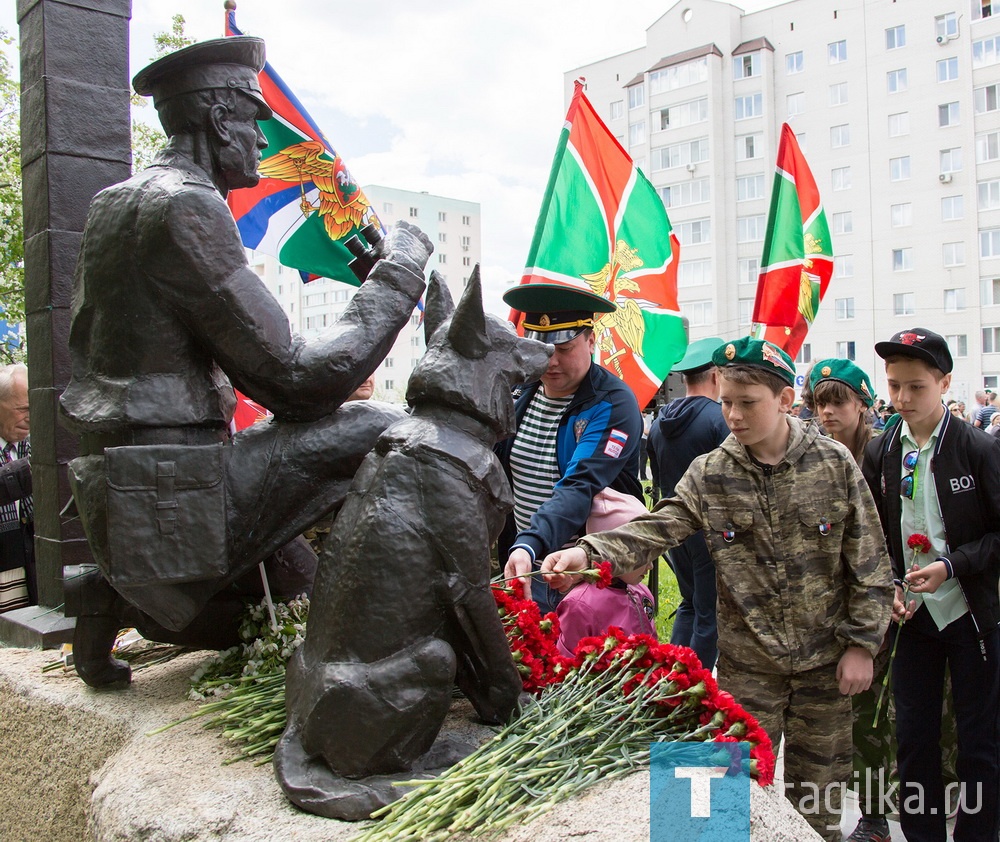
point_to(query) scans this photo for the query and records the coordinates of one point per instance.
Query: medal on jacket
(824, 526)
(728, 534)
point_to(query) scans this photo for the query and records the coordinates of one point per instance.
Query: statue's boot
(98, 608)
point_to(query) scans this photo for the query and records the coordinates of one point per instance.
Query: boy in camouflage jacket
(804, 582)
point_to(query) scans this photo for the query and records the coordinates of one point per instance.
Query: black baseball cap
(921, 344)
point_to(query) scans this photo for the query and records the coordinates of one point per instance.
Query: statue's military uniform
(802, 574)
(166, 315)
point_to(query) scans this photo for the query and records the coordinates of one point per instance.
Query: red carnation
(919, 542)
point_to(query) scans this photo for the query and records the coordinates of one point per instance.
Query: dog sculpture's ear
(437, 307)
(467, 333)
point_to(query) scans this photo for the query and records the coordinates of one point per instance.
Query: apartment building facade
(896, 106)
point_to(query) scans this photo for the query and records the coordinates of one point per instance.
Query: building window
(686, 193)
(843, 222)
(840, 178)
(746, 66)
(899, 168)
(805, 355)
(794, 63)
(617, 109)
(466, 242)
(954, 300)
(840, 136)
(984, 9)
(466, 220)
(749, 146)
(896, 81)
(695, 232)
(685, 114)
(442, 257)
(947, 69)
(984, 100)
(680, 154)
(952, 208)
(951, 159)
(795, 103)
(692, 273)
(466, 261)
(637, 133)
(698, 312)
(389, 362)
(844, 309)
(836, 52)
(846, 350)
(895, 37)
(748, 270)
(948, 114)
(749, 187)
(386, 207)
(748, 106)
(390, 385)
(745, 312)
(904, 304)
(636, 96)
(991, 340)
(988, 193)
(958, 344)
(414, 213)
(902, 260)
(946, 26)
(838, 94)
(985, 52)
(989, 242)
(750, 229)
(989, 292)
(987, 147)
(442, 216)
(843, 266)
(953, 254)
(678, 76)
(899, 124)
(442, 237)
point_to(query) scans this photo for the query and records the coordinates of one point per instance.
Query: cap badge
(774, 358)
(730, 351)
(911, 338)
(544, 321)
(864, 388)
(826, 371)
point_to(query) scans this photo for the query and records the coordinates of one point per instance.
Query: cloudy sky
(461, 98)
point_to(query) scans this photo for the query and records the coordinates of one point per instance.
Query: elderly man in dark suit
(17, 527)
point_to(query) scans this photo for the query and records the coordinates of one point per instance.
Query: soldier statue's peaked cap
(758, 353)
(555, 313)
(920, 343)
(232, 62)
(698, 356)
(846, 372)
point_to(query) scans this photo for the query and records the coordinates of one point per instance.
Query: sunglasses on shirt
(907, 483)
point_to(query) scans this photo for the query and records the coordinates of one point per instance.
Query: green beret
(756, 352)
(698, 356)
(845, 372)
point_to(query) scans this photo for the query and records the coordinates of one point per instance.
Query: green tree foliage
(11, 224)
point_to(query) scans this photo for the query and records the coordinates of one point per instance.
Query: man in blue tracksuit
(684, 429)
(578, 433)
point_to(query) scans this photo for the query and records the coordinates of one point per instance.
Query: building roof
(754, 45)
(687, 55)
(635, 80)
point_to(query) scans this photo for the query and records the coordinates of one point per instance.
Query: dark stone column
(75, 140)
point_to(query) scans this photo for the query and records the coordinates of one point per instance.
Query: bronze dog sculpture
(401, 608)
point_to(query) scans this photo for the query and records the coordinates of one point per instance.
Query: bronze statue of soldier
(167, 316)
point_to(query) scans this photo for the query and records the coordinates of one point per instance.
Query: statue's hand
(408, 245)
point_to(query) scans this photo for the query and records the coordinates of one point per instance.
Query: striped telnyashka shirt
(533, 463)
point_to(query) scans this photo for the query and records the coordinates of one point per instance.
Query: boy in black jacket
(932, 475)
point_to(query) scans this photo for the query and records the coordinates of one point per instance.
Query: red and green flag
(603, 229)
(797, 261)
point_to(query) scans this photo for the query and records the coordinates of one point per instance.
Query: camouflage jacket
(799, 554)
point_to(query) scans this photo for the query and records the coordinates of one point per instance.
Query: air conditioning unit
(941, 39)
(692, 167)
(945, 178)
